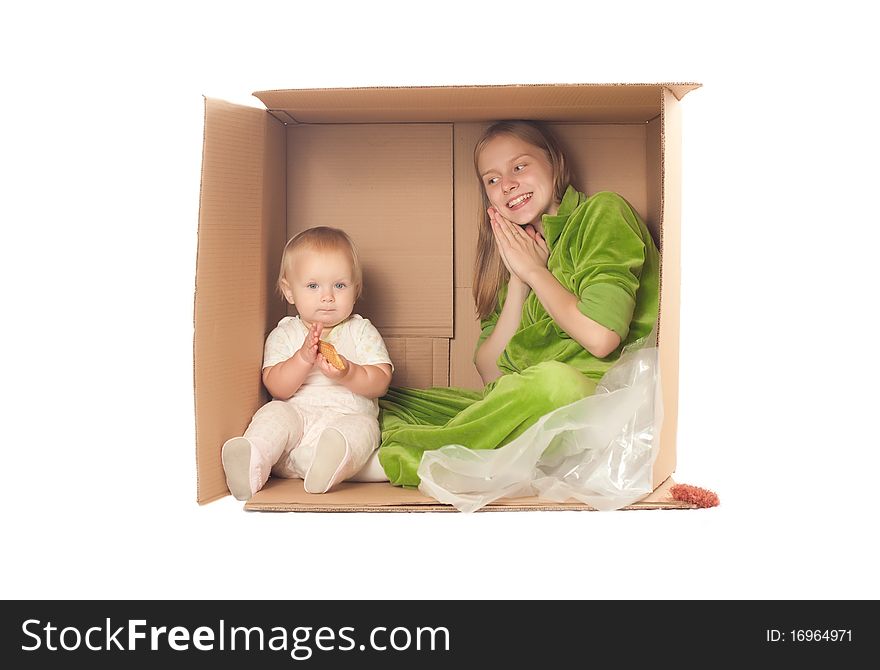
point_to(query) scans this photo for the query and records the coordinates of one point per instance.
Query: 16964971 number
(809, 635)
(821, 635)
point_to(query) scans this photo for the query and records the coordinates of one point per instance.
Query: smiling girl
(562, 283)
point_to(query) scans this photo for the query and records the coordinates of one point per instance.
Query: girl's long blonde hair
(489, 270)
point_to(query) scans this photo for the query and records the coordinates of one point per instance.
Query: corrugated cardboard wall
(240, 228)
(389, 186)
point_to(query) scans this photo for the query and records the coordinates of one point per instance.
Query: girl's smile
(519, 202)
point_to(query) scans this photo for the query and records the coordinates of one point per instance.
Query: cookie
(328, 351)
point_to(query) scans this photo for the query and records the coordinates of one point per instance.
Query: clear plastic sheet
(599, 450)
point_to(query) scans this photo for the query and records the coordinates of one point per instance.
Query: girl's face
(321, 287)
(518, 179)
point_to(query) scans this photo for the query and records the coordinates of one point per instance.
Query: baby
(322, 424)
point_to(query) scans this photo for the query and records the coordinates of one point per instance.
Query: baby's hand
(309, 349)
(332, 372)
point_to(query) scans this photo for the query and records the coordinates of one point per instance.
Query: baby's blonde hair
(489, 270)
(321, 239)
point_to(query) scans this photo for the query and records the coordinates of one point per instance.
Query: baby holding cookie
(325, 369)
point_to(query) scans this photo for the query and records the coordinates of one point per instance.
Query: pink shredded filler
(694, 495)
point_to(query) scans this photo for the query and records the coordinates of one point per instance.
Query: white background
(101, 151)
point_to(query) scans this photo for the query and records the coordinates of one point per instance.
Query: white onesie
(322, 402)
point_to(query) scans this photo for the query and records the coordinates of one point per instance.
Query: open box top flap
(632, 103)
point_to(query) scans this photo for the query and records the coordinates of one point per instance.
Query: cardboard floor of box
(288, 495)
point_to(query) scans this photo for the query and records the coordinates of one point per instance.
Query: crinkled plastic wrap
(599, 450)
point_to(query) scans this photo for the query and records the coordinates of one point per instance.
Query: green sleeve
(611, 253)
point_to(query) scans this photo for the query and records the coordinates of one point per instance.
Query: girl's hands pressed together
(309, 349)
(523, 250)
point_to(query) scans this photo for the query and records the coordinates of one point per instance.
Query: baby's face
(322, 287)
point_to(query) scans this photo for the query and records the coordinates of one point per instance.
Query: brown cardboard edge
(357, 99)
(669, 307)
(446, 508)
(658, 499)
(199, 499)
(205, 501)
(679, 88)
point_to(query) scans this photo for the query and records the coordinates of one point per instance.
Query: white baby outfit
(284, 433)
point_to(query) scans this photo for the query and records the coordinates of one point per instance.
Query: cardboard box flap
(670, 281)
(241, 234)
(557, 102)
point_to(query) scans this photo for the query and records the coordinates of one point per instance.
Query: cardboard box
(393, 167)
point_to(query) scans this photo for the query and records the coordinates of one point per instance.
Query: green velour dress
(602, 252)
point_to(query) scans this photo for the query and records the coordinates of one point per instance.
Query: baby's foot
(331, 455)
(237, 458)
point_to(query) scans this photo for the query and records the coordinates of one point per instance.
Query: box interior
(394, 168)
